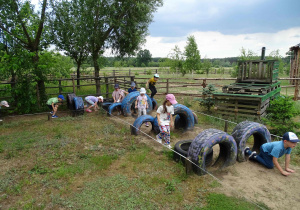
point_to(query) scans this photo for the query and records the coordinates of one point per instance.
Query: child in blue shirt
(270, 152)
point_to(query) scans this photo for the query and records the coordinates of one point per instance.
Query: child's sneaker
(54, 116)
(88, 110)
(246, 150)
(252, 156)
(167, 145)
(158, 139)
(147, 124)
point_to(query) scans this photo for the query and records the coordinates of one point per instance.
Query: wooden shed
(295, 68)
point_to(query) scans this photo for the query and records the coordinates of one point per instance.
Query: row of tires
(184, 119)
(127, 105)
(200, 149)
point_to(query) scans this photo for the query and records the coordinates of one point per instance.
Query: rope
(214, 177)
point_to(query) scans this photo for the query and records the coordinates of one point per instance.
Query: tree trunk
(97, 69)
(78, 75)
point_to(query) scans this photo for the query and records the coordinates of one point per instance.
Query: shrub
(207, 101)
(280, 116)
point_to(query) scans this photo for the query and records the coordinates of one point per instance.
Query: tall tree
(26, 28)
(192, 55)
(117, 25)
(143, 56)
(66, 24)
(176, 60)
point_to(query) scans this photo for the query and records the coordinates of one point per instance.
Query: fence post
(38, 96)
(188, 166)
(226, 126)
(296, 90)
(98, 90)
(167, 86)
(107, 87)
(73, 82)
(59, 87)
(156, 71)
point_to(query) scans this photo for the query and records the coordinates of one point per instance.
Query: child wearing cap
(92, 101)
(132, 88)
(118, 94)
(165, 119)
(3, 103)
(270, 152)
(141, 103)
(151, 85)
(53, 103)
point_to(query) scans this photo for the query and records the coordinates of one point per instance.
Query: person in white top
(165, 119)
(141, 103)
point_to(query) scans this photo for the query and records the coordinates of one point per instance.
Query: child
(118, 95)
(4, 103)
(92, 101)
(151, 84)
(53, 103)
(141, 103)
(270, 152)
(132, 88)
(165, 119)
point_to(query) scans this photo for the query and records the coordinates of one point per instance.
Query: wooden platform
(253, 105)
(250, 89)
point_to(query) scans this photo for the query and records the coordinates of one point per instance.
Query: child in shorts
(141, 104)
(53, 104)
(92, 101)
(165, 119)
(270, 152)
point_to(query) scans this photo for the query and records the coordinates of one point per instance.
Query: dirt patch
(259, 184)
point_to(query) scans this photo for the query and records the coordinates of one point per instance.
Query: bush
(280, 116)
(207, 101)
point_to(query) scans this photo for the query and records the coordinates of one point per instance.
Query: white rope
(183, 157)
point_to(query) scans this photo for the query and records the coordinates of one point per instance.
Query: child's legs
(89, 103)
(265, 159)
(50, 107)
(165, 133)
(153, 90)
(140, 112)
(55, 109)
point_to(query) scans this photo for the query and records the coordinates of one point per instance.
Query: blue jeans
(264, 158)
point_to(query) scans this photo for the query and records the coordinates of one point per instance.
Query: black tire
(204, 142)
(186, 117)
(70, 101)
(112, 107)
(244, 130)
(182, 148)
(139, 122)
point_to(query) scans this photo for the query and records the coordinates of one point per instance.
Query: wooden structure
(256, 84)
(295, 68)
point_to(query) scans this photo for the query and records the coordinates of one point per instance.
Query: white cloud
(214, 44)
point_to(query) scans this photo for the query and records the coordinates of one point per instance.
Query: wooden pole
(226, 126)
(107, 87)
(59, 87)
(167, 86)
(296, 90)
(188, 166)
(73, 82)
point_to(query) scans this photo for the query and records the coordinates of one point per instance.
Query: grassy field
(92, 162)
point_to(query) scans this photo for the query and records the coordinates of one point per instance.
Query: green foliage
(143, 57)
(207, 100)
(192, 55)
(170, 186)
(206, 65)
(280, 116)
(175, 61)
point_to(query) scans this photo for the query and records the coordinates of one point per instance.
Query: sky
(223, 27)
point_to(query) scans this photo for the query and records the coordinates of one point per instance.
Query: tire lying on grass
(244, 130)
(112, 107)
(182, 148)
(204, 142)
(139, 122)
(130, 99)
(70, 101)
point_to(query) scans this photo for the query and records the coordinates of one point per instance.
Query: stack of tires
(75, 104)
(200, 150)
